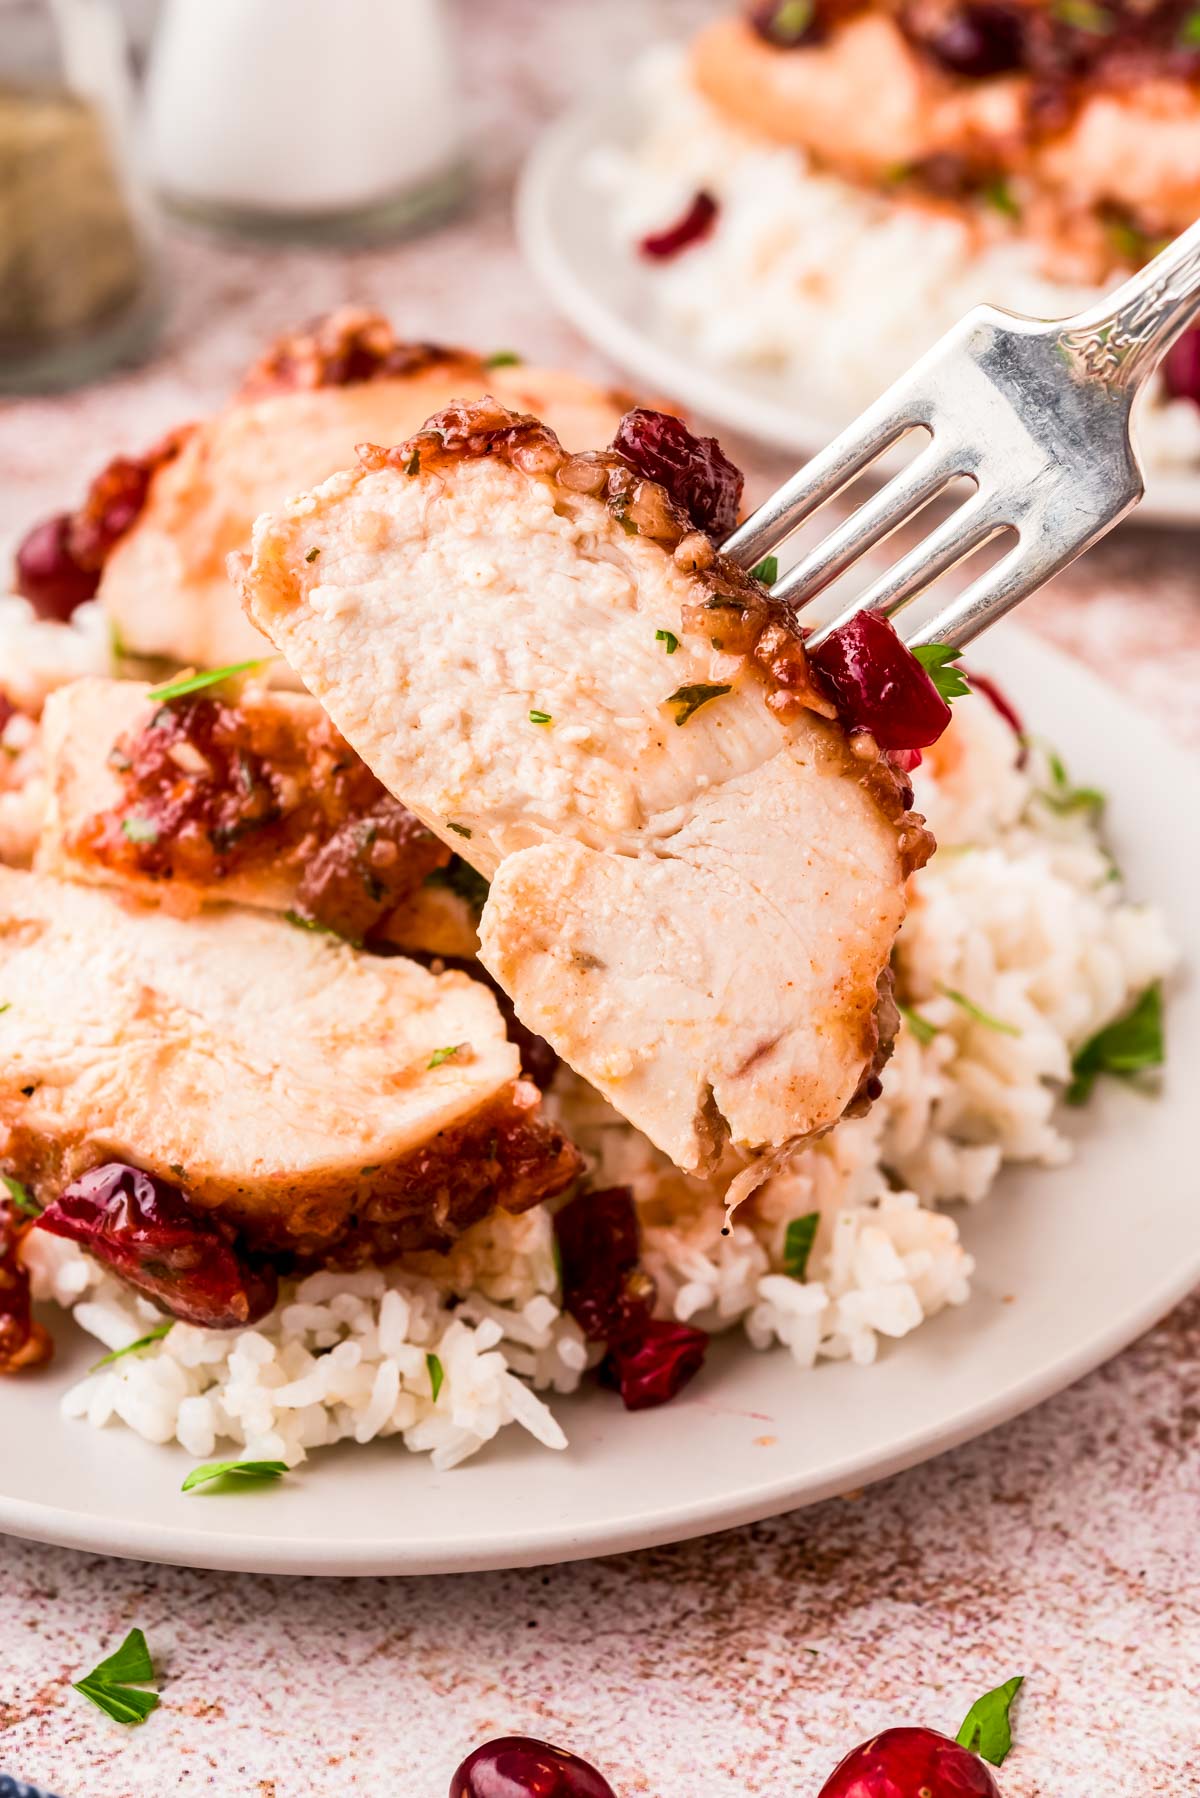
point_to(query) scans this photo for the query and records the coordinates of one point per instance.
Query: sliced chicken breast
(246, 796)
(309, 403)
(314, 1098)
(696, 877)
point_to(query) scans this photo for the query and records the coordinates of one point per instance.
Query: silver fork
(1035, 413)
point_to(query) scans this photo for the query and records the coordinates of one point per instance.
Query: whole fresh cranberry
(1181, 368)
(521, 1767)
(878, 686)
(976, 40)
(145, 1230)
(47, 574)
(655, 1362)
(910, 1763)
(695, 471)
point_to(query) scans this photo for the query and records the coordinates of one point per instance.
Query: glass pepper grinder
(79, 285)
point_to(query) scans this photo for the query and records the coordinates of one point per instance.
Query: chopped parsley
(312, 555)
(460, 830)
(788, 21)
(441, 1055)
(1083, 15)
(244, 1470)
(935, 659)
(687, 700)
(132, 1348)
(1189, 31)
(7, 1006)
(987, 1726)
(978, 1014)
(21, 1196)
(540, 718)
(627, 525)
(1130, 1045)
(999, 196)
(921, 1028)
(1062, 797)
(767, 571)
(212, 677)
(413, 465)
(669, 638)
(461, 878)
(798, 1240)
(299, 922)
(114, 1686)
(139, 830)
(437, 1375)
(503, 359)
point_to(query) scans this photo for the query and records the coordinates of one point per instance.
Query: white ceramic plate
(1072, 1266)
(605, 292)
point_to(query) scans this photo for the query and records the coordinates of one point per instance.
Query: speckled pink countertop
(1063, 1546)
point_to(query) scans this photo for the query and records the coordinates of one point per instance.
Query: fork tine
(869, 524)
(962, 618)
(826, 474)
(957, 536)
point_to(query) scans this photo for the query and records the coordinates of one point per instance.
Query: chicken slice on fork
(697, 873)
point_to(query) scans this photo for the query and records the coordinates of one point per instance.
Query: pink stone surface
(1062, 1547)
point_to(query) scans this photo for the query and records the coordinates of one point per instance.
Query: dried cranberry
(47, 573)
(145, 1230)
(522, 1767)
(910, 1763)
(367, 868)
(878, 686)
(1181, 368)
(695, 471)
(786, 23)
(653, 1363)
(602, 1286)
(973, 40)
(692, 226)
(23, 1343)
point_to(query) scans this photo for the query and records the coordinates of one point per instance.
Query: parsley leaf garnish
(441, 1055)
(999, 196)
(766, 571)
(789, 20)
(246, 1470)
(921, 1028)
(7, 1006)
(987, 1727)
(132, 1348)
(1062, 797)
(460, 830)
(413, 465)
(935, 659)
(669, 638)
(312, 555)
(1084, 15)
(139, 830)
(798, 1240)
(196, 683)
(21, 1196)
(461, 878)
(503, 359)
(977, 1012)
(299, 922)
(1189, 31)
(687, 700)
(540, 718)
(108, 1685)
(437, 1375)
(1130, 1045)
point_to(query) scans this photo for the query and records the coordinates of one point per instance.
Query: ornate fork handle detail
(1122, 340)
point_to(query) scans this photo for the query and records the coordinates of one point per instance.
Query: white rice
(831, 289)
(1019, 910)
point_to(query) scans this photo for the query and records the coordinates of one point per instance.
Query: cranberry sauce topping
(693, 225)
(982, 38)
(611, 1298)
(211, 789)
(695, 471)
(59, 562)
(910, 1763)
(878, 686)
(522, 1767)
(344, 349)
(23, 1343)
(145, 1230)
(1181, 368)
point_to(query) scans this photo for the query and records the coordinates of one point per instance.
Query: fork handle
(1124, 338)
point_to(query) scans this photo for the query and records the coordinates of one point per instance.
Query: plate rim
(1171, 500)
(754, 1499)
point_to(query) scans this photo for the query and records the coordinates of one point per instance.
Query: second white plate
(605, 291)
